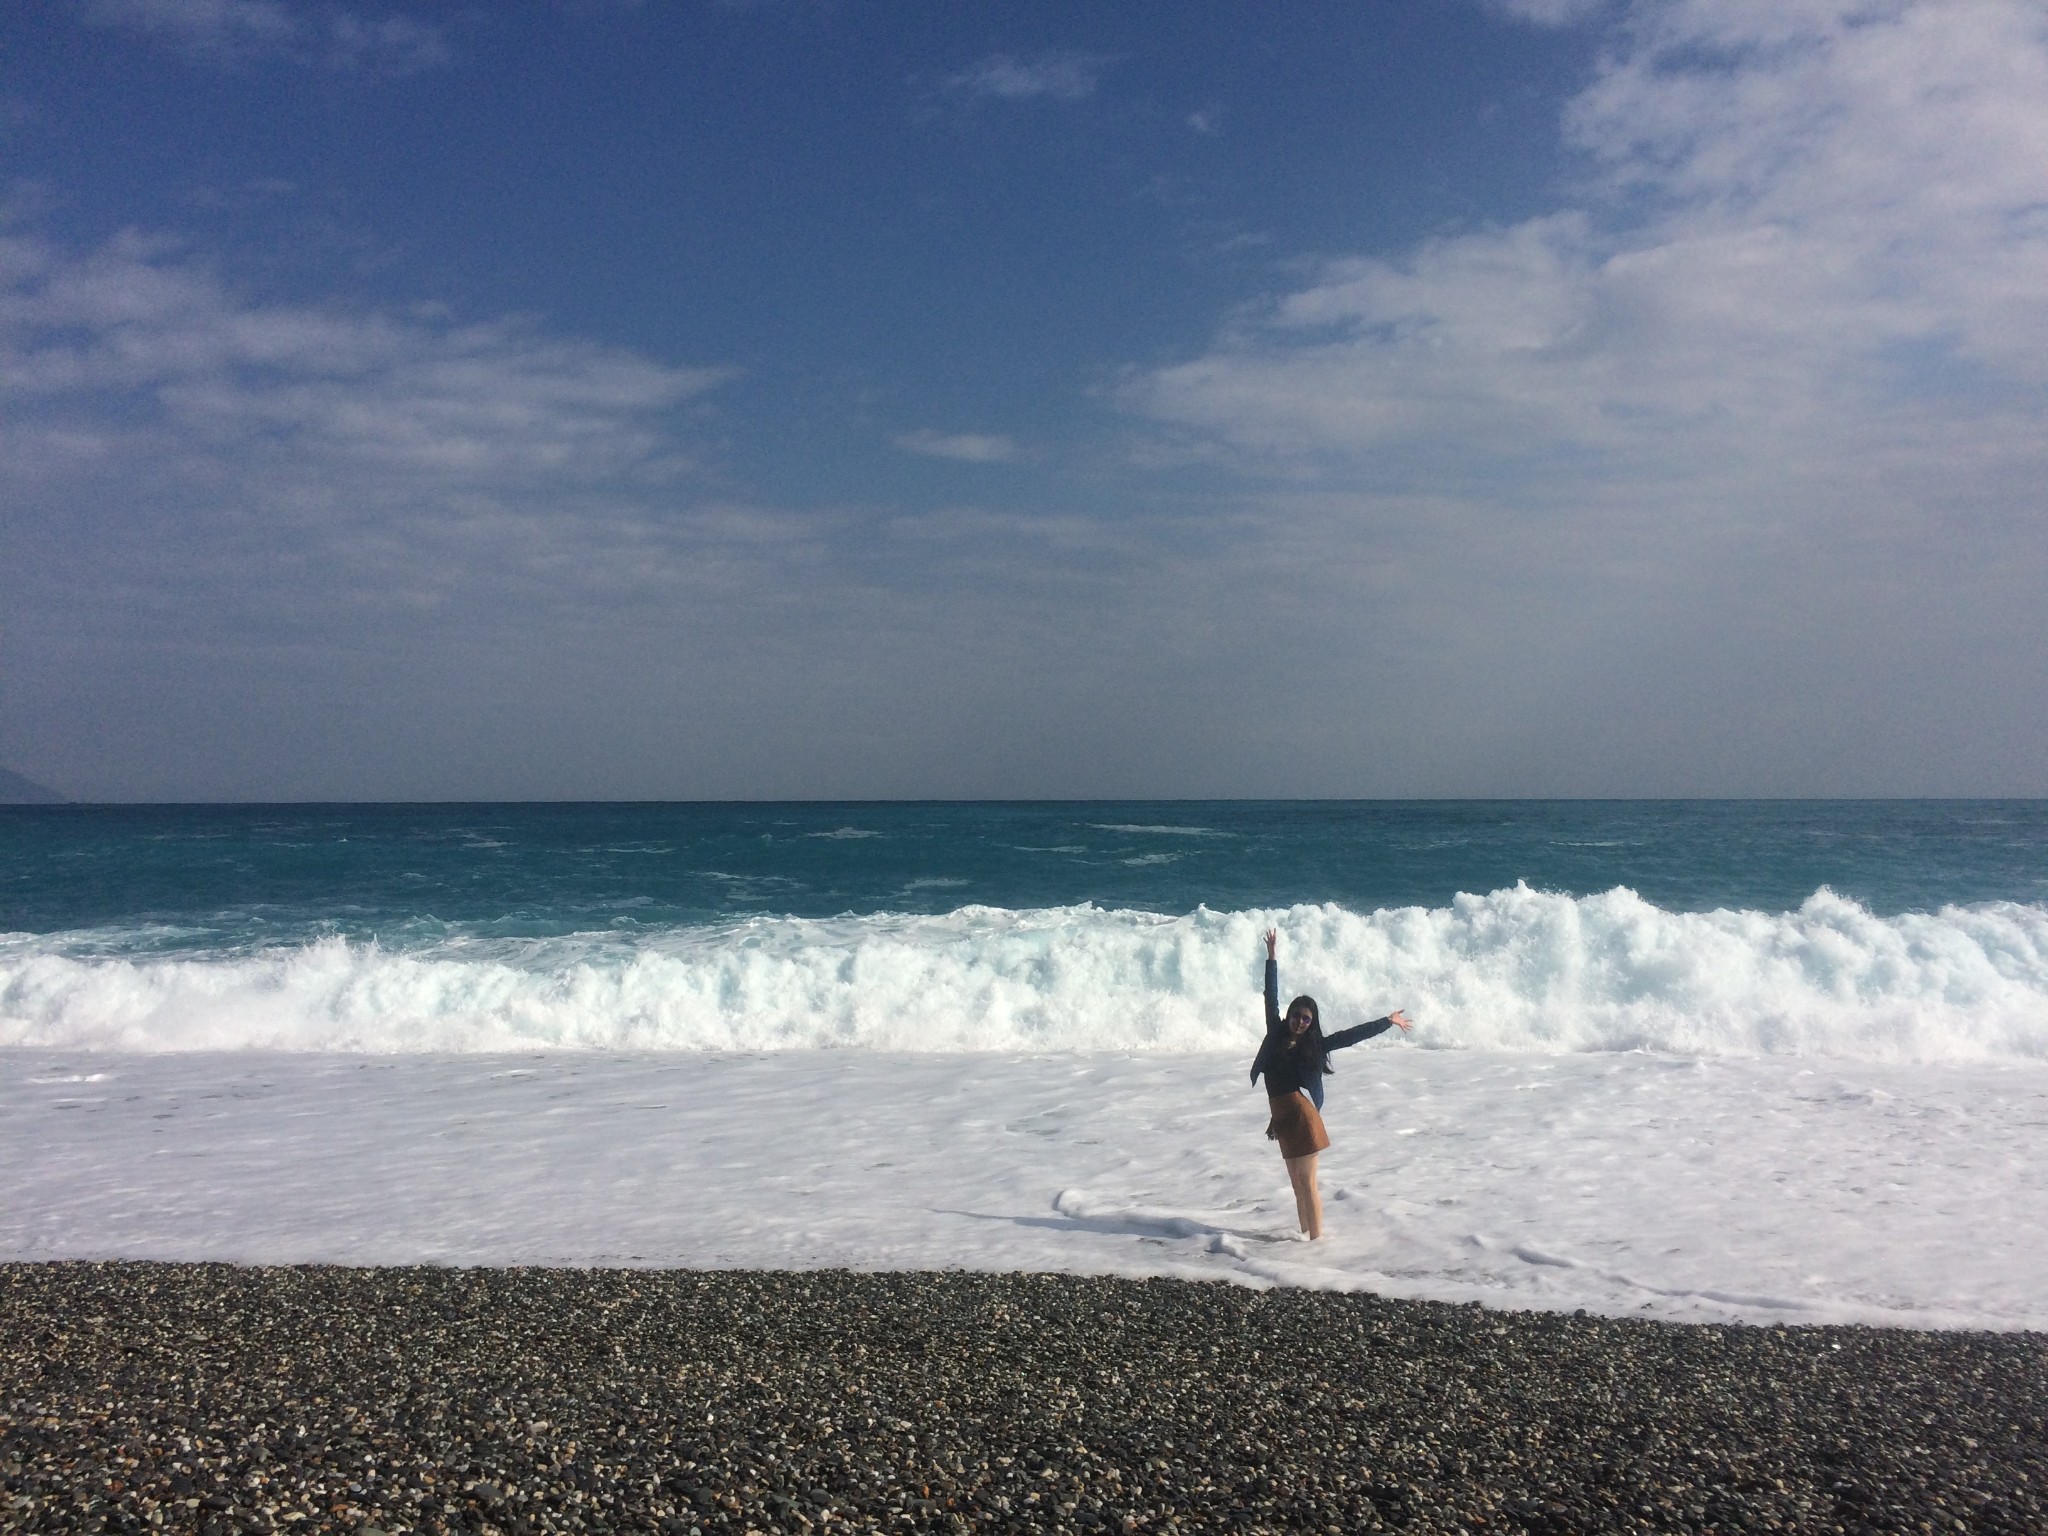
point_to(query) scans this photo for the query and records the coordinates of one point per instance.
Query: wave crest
(1516, 969)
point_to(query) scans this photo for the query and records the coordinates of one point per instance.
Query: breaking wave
(1517, 969)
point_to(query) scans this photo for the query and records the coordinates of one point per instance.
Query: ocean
(1895, 930)
(1695, 1059)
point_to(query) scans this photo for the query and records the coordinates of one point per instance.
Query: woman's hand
(1400, 1021)
(1272, 943)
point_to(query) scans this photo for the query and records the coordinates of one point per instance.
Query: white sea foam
(1126, 826)
(1516, 970)
(1640, 1185)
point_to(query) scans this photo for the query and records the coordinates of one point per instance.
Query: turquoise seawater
(207, 878)
(1893, 930)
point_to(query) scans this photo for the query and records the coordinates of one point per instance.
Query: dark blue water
(210, 877)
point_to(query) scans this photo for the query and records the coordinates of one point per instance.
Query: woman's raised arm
(1272, 982)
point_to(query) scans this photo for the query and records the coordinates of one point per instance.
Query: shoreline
(219, 1399)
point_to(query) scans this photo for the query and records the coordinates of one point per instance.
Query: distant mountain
(15, 790)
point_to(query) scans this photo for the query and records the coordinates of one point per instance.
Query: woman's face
(1298, 1021)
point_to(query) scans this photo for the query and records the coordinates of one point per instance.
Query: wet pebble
(148, 1397)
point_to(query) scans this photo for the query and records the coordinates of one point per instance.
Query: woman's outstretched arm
(1357, 1032)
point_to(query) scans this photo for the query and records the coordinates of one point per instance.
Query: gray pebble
(207, 1398)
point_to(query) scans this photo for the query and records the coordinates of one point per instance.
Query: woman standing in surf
(1294, 1057)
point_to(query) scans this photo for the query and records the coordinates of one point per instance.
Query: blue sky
(689, 399)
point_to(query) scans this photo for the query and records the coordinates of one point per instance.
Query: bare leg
(1308, 1203)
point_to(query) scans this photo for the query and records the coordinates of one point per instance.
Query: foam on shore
(1696, 1189)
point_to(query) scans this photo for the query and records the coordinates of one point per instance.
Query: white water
(1516, 970)
(1820, 1115)
(1632, 1184)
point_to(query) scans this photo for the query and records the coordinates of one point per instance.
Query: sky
(754, 399)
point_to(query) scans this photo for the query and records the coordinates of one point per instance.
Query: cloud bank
(201, 373)
(245, 487)
(1754, 418)
(326, 550)
(1827, 222)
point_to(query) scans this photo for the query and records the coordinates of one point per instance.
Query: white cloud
(206, 26)
(967, 447)
(1551, 13)
(396, 44)
(134, 320)
(214, 453)
(233, 31)
(1057, 76)
(1752, 421)
(1815, 218)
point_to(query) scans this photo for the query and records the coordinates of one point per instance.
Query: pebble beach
(218, 1399)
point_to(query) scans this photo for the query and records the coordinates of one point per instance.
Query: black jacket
(1288, 1070)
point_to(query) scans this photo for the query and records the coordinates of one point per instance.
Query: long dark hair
(1310, 1041)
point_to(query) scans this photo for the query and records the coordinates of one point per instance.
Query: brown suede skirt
(1295, 1125)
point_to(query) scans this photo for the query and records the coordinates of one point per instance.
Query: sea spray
(1517, 969)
